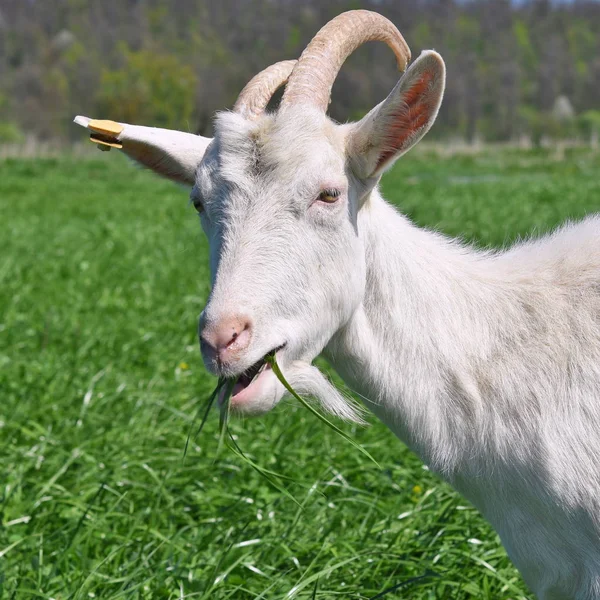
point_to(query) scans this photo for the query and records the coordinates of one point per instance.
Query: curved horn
(313, 76)
(253, 99)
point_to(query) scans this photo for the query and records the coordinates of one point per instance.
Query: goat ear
(401, 120)
(172, 154)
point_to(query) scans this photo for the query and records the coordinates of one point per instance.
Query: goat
(486, 364)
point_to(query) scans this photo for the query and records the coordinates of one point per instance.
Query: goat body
(488, 366)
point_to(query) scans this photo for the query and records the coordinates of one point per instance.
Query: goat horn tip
(81, 120)
(104, 133)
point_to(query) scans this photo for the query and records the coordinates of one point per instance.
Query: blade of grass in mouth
(225, 434)
(272, 361)
(224, 414)
(209, 404)
(224, 428)
(266, 473)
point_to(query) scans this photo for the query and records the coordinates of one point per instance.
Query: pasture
(103, 273)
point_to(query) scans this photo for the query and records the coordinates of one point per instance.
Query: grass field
(103, 272)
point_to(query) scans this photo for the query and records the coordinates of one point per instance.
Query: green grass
(103, 272)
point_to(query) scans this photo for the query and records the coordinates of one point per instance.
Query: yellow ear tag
(106, 127)
(105, 133)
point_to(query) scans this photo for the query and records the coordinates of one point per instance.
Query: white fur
(486, 364)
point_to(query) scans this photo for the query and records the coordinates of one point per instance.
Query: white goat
(486, 364)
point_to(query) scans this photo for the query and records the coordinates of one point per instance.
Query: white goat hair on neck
(488, 366)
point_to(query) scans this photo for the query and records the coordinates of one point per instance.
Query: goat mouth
(253, 373)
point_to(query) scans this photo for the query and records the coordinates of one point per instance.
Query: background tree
(175, 62)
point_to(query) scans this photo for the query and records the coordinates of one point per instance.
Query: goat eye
(329, 195)
(197, 204)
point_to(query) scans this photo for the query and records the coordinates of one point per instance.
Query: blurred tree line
(526, 68)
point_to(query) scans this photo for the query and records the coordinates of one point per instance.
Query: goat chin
(307, 380)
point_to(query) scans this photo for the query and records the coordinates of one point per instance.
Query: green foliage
(157, 18)
(540, 124)
(4, 104)
(523, 39)
(104, 273)
(528, 60)
(468, 35)
(10, 133)
(582, 42)
(151, 88)
(293, 39)
(589, 123)
(423, 34)
(74, 55)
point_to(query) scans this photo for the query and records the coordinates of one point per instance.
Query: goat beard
(307, 380)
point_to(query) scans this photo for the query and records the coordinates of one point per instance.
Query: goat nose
(227, 336)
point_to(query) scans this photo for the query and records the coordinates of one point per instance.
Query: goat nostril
(231, 334)
(234, 337)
